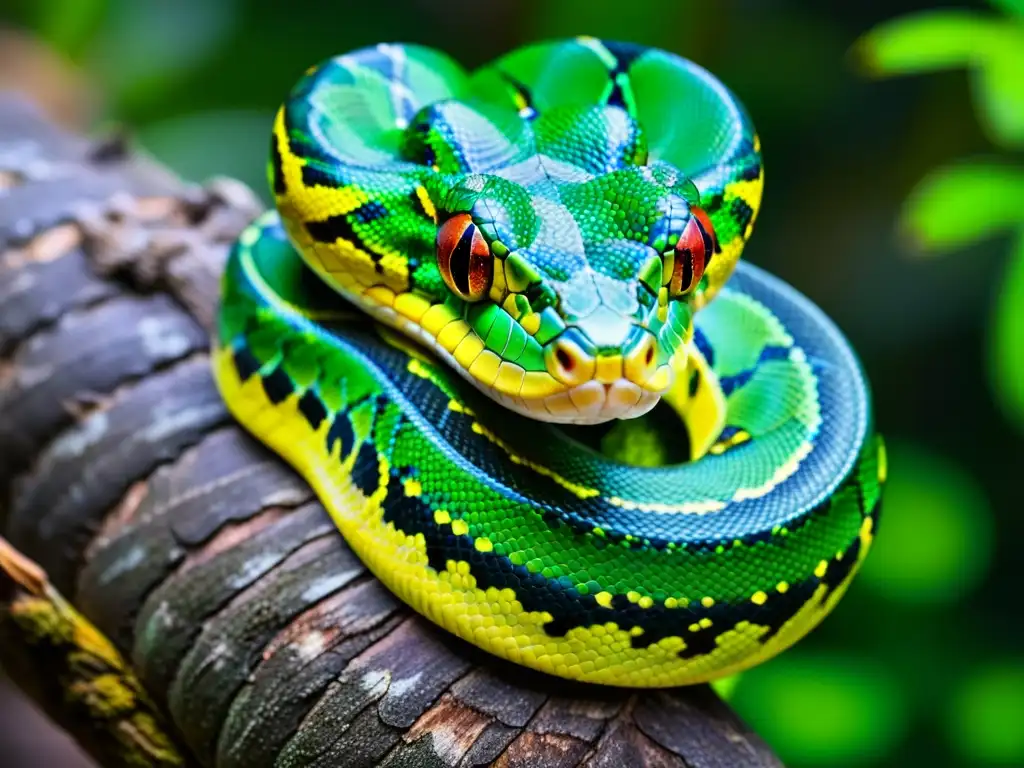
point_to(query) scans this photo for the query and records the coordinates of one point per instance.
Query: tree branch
(204, 559)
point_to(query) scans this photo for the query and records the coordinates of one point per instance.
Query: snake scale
(532, 257)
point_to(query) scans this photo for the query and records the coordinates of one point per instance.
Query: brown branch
(205, 561)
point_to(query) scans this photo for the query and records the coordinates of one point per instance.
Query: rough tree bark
(257, 635)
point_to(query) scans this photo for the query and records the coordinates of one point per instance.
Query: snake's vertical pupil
(459, 263)
(693, 252)
(707, 231)
(464, 258)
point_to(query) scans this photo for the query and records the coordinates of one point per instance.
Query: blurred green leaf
(935, 542)
(1013, 7)
(1006, 350)
(986, 716)
(999, 89)
(991, 46)
(822, 710)
(928, 41)
(69, 25)
(959, 204)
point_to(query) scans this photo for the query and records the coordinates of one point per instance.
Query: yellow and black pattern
(598, 234)
(520, 540)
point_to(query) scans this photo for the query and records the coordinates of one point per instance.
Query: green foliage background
(922, 664)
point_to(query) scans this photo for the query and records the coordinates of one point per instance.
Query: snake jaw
(598, 386)
(586, 404)
(618, 387)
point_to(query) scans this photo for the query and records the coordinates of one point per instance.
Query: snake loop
(560, 230)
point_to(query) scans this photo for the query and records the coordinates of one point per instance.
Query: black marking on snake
(341, 431)
(366, 468)
(415, 142)
(246, 363)
(277, 385)
(371, 210)
(840, 567)
(277, 166)
(417, 204)
(625, 54)
(520, 89)
(418, 146)
(694, 384)
(319, 169)
(730, 384)
(704, 347)
(540, 296)
(332, 229)
(751, 172)
(570, 608)
(312, 409)
(341, 428)
(314, 175)
(728, 431)
(336, 227)
(742, 212)
(875, 514)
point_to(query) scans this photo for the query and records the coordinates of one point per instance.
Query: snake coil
(551, 239)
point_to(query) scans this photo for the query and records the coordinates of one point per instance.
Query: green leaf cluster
(968, 201)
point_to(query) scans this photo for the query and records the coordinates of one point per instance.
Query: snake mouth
(589, 390)
(591, 402)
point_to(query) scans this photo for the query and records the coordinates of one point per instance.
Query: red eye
(464, 258)
(693, 252)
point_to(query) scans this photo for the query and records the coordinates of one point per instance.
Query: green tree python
(551, 229)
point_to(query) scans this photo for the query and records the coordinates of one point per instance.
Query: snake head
(545, 225)
(571, 312)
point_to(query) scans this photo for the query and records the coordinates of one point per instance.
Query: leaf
(999, 88)
(1006, 348)
(926, 41)
(959, 204)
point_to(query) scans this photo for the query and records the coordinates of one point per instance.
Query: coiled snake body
(547, 229)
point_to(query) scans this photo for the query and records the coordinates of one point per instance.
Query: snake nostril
(565, 360)
(568, 361)
(641, 359)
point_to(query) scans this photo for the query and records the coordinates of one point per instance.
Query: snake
(498, 323)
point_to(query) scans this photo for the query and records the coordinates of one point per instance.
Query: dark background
(922, 664)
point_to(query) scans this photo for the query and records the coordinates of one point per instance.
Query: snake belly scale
(468, 276)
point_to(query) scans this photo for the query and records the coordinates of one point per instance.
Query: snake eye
(464, 258)
(693, 252)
